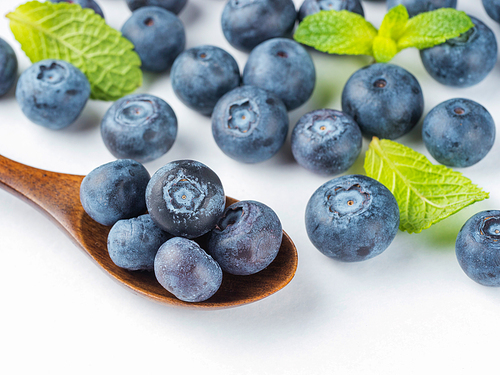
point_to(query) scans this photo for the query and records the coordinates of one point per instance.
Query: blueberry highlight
(352, 218)
(52, 93)
(115, 191)
(139, 126)
(246, 239)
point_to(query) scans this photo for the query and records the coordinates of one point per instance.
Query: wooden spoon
(58, 195)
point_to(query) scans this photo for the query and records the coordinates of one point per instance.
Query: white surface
(410, 310)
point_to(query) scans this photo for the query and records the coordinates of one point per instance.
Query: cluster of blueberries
(184, 200)
(250, 120)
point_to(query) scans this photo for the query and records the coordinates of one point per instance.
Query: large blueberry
(133, 243)
(202, 75)
(326, 141)
(186, 270)
(115, 191)
(352, 218)
(458, 132)
(91, 4)
(478, 248)
(246, 239)
(309, 7)
(415, 7)
(247, 23)
(157, 35)
(385, 100)
(250, 124)
(175, 6)
(283, 67)
(185, 198)
(492, 7)
(463, 61)
(142, 127)
(52, 93)
(8, 67)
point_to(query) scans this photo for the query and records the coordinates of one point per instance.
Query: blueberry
(415, 7)
(133, 243)
(463, 61)
(384, 99)
(115, 191)
(326, 141)
(91, 4)
(185, 198)
(478, 248)
(139, 126)
(186, 270)
(250, 124)
(247, 23)
(246, 239)
(492, 7)
(458, 132)
(175, 6)
(52, 93)
(352, 218)
(309, 7)
(283, 67)
(8, 67)
(158, 36)
(202, 75)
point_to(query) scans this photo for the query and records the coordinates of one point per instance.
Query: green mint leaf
(65, 31)
(394, 22)
(426, 193)
(428, 29)
(340, 32)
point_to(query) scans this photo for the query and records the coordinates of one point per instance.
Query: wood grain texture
(58, 196)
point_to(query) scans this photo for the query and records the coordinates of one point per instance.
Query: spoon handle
(52, 192)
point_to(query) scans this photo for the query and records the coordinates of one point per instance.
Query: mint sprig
(346, 33)
(67, 32)
(426, 193)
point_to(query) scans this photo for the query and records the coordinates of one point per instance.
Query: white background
(410, 310)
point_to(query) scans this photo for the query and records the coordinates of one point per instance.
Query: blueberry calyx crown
(136, 112)
(52, 74)
(380, 83)
(343, 201)
(242, 117)
(183, 194)
(489, 229)
(324, 126)
(464, 38)
(230, 217)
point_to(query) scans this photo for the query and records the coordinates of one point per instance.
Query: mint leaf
(65, 31)
(340, 32)
(426, 193)
(394, 23)
(428, 29)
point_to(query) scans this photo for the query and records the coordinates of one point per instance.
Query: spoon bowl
(58, 196)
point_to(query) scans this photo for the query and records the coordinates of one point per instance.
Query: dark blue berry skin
(415, 7)
(352, 218)
(309, 7)
(52, 93)
(91, 4)
(139, 126)
(174, 6)
(385, 100)
(115, 191)
(283, 67)
(133, 243)
(185, 198)
(246, 239)
(250, 124)
(326, 141)
(463, 61)
(458, 132)
(186, 270)
(202, 75)
(247, 23)
(158, 36)
(8, 67)
(492, 7)
(478, 248)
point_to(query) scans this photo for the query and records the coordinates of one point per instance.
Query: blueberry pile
(349, 218)
(184, 200)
